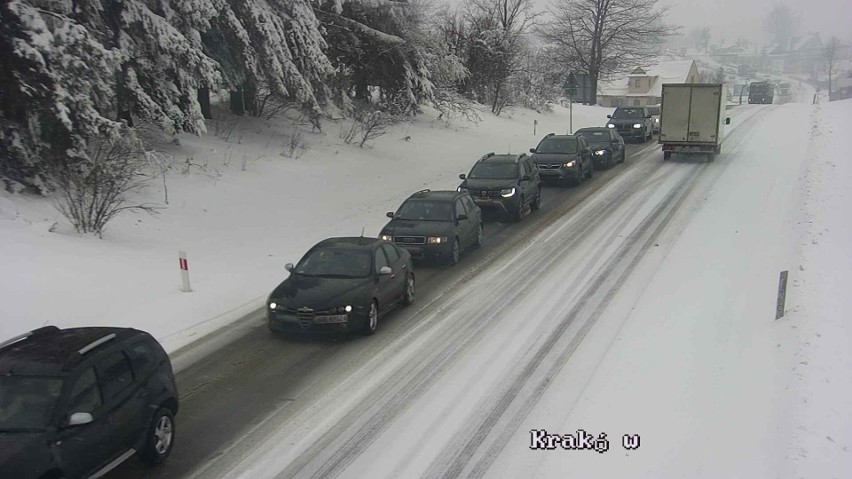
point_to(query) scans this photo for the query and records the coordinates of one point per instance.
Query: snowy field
(238, 224)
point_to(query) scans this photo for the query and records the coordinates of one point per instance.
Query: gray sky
(735, 18)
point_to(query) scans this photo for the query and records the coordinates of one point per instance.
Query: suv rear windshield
(557, 145)
(27, 402)
(494, 171)
(627, 113)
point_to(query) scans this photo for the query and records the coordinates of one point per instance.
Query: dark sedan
(342, 284)
(606, 144)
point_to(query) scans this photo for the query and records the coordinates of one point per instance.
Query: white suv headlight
(637, 125)
(387, 237)
(507, 193)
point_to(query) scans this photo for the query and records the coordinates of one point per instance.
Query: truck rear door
(704, 115)
(674, 117)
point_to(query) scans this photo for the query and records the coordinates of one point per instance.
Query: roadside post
(782, 295)
(535, 123)
(184, 272)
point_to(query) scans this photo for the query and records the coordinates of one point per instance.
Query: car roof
(557, 137)
(593, 128)
(441, 195)
(350, 242)
(51, 351)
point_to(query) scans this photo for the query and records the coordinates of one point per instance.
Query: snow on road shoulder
(823, 401)
(700, 369)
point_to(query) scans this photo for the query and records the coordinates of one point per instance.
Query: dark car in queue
(509, 183)
(342, 285)
(606, 144)
(435, 225)
(563, 159)
(655, 111)
(632, 122)
(77, 402)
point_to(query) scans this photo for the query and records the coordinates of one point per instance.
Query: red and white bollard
(184, 271)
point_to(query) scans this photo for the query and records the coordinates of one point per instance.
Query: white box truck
(692, 119)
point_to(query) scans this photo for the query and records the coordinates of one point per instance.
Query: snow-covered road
(449, 398)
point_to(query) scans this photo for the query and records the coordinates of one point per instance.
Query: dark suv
(78, 402)
(510, 183)
(563, 158)
(632, 122)
(435, 225)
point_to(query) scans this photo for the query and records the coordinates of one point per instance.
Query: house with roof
(644, 86)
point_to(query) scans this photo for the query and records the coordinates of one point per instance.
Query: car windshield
(494, 171)
(627, 113)
(654, 110)
(595, 136)
(557, 145)
(335, 263)
(419, 210)
(27, 402)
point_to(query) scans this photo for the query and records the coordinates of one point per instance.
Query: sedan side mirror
(289, 267)
(385, 270)
(532, 150)
(389, 214)
(461, 217)
(526, 178)
(609, 116)
(649, 116)
(79, 419)
(462, 176)
(727, 121)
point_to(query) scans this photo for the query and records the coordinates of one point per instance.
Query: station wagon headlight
(462, 190)
(610, 125)
(507, 193)
(570, 164)
(273, 305)
(387, 237)
(600, 152)
(637, 125)
(436, 239)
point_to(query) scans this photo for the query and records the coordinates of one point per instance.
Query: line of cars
(348, 284)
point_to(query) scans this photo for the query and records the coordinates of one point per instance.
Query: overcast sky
(744, 18)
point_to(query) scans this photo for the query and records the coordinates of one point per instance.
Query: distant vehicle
(437, 225)
(563, 159)
(342, 285)
(693, 118)
(506, 182)
(654, 110)
(606, 144)
(78, 402)
(762, 92)
(632, 122)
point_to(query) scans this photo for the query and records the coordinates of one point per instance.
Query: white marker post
(184, 271)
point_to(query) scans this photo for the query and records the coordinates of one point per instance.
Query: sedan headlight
(637, 125)
(570, 164)
(507, 193)
(273, 305)
(600, 152)
(387, 238)
(341, 309)
(436, 239)
(462, 190)
(610, 125)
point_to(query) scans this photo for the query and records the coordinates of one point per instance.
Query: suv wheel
(161, 435)
(519, 212)
(408, 293)
(591, 171)
(372, 321)
(536, 204)
(622, 156)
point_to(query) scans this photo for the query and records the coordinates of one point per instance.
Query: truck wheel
(667, 155)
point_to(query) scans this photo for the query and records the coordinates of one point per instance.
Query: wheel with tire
(667, 155)
(591, 171)
(478, 240)
(622, 156)
(519, 211)
(536, 204)
(455, 253)
(408, 292)
(372, 321)
(160, 437)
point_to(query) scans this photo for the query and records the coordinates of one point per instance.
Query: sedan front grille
(409, 239)
(305, 317)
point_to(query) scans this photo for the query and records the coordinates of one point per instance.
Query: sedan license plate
(332, 319)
